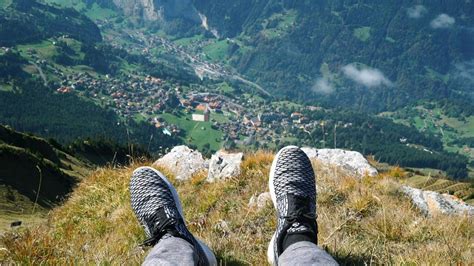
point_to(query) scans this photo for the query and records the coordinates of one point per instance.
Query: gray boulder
(260, 201)
(183, 162)
(351, 161)
(224, 165)
(431, 203)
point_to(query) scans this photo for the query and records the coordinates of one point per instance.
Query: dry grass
(360, 221)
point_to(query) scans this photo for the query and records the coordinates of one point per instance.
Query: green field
(435, 121)
(189, 40)
(217, 51)
(47, 50)
(286, 104)
(44, 49)
(362, 33)
(279, 24)
(94, 12)
(225, 88)
(6, 87)
(197, 133)
(5, 3)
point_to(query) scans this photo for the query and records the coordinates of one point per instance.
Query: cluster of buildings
(128, 96)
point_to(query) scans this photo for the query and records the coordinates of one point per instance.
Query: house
(65, 90)
(256, 122)
(166, 131)
(314, 108)
(185, 103)
(296, 115)
(202, 107)
(205, 117)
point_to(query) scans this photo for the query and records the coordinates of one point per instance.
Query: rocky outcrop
(351, 161)
(224, 165)
(183, 162)
(432, 203)
(260, 201)
(159, 10)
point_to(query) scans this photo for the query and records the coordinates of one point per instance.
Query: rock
(222, 227)
(16, 224)
(159, 10)
(260, 201)
(224, 165)
(183, 162)
(431, 203)
(351, 161)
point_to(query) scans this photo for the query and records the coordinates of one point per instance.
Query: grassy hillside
(16, 207)
(360, 221)
(25, 21)
(36, 168)
(93, 9)
(34, 175)
(449, 124)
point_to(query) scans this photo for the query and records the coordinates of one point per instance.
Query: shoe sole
(270, 251)
(211, 258)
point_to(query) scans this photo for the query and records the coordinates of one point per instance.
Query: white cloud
(323, 86)
(417, 11)
(465, 70)
(442, 21)
(369, 77)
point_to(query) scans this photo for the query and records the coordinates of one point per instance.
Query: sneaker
(293, 192)
(158, 208)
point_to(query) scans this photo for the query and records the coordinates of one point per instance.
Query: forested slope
(366, 54)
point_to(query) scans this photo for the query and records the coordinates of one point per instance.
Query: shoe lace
(300, 218)
(300, 214)
(159, 230)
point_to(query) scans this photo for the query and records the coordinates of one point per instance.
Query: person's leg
(171, 250)
(293, 191)
(305, 253)
(156, 205)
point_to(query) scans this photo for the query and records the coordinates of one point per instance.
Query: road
(201, 67)
(40, 71)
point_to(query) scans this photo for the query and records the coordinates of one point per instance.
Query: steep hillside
(35, 175)
(37, 169)
(26, 21)
(360, 221)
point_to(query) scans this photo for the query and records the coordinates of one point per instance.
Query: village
(135, 96)
(149, 98)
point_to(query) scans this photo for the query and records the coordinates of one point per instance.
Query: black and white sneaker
(293, 192)
(158, 208)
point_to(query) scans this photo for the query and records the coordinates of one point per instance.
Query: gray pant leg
(305, 253)
(171, 251)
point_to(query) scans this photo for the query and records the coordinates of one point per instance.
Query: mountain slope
(35, 175)
(29, 21)
(366, 54)
(51, 48)
(37, 169)
(360, 221)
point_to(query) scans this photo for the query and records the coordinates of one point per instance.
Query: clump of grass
(360, 221)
